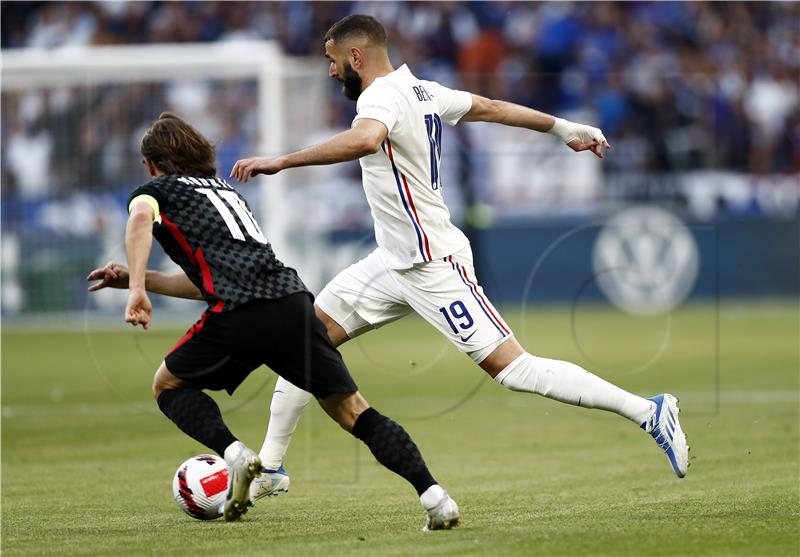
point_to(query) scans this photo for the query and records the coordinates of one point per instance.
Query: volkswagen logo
(645, 260)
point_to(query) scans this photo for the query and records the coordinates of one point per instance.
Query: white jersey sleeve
(453, 104)
(379, 102)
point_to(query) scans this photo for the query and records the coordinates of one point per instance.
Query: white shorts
(445, 292)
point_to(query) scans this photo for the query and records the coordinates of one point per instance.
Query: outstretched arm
(115, 275)
(138, 241)
(578, 137)
(364, 138)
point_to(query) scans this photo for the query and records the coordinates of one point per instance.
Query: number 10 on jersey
(241, 210)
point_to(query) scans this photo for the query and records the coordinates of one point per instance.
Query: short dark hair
(357, 26)
(175, 147)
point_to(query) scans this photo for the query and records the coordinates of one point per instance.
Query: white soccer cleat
(443, 516)
(243, 466)
(270, 483)
(665, 427)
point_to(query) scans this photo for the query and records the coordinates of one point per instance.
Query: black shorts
(222, 349)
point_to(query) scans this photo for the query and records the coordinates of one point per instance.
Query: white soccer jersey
(401, 180)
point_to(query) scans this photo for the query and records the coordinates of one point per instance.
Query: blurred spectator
(27, 148)
(676, 86)
(769, 102)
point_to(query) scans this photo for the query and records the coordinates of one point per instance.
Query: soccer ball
(200, 485)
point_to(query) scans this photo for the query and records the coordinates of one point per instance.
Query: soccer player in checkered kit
(259, 312)
(423, 263)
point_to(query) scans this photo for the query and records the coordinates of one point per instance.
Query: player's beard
(351, 83)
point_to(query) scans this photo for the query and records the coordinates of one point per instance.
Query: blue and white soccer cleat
(665, 428)
(269, 483)
(243, 466)
(443, 516)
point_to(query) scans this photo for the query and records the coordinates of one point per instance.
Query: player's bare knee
(355, 406)
(502, 356)
(163, 380)
(335, 331)
(345, 409)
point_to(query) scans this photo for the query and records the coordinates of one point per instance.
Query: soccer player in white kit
(423, 263)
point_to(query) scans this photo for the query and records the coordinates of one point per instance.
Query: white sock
(431, 497)
(572, 384)
(232, 451)
(288, 403)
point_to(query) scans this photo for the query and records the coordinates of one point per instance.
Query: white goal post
(263, 62)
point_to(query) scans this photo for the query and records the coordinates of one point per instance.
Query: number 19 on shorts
(457, 314)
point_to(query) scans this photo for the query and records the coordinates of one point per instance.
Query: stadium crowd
(674, 85)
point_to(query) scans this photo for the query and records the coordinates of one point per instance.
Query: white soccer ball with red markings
(200, 485)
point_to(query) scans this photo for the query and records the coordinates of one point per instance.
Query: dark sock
(197, 415)
(393, 447)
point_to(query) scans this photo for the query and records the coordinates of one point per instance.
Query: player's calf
(570, 383)
(392, 446)
(198, 416)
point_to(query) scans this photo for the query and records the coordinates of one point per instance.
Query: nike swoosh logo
(469, 337)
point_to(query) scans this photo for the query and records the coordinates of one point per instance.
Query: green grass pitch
(87, 459)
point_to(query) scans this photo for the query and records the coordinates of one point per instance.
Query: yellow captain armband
(150, 200)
